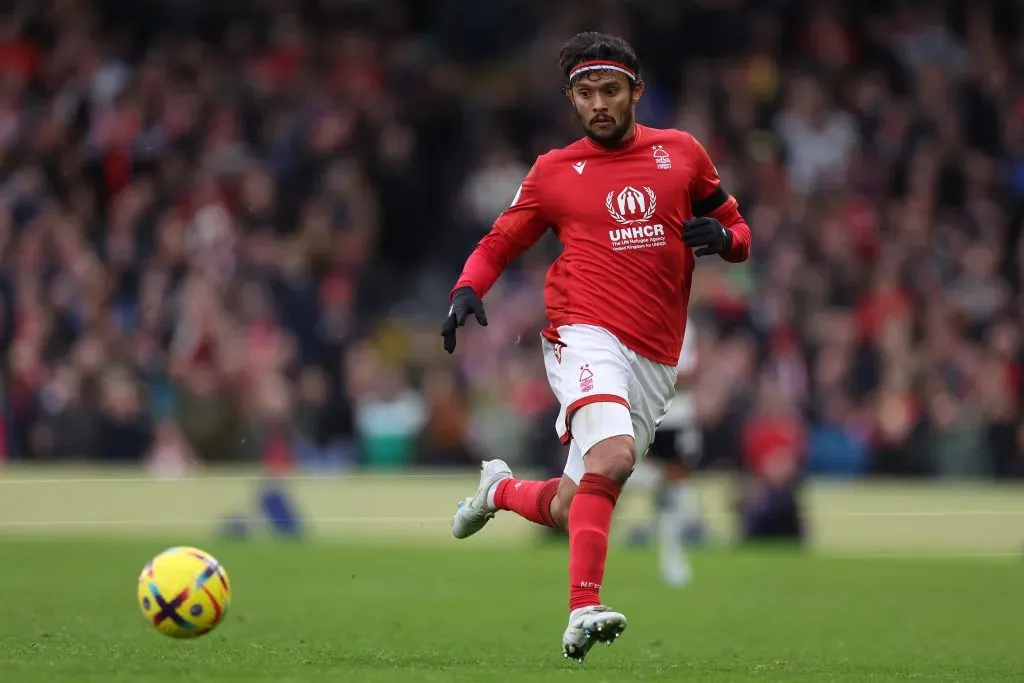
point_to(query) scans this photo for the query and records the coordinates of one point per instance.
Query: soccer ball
(184, 592)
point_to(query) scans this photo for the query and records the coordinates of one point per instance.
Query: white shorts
(605, 390)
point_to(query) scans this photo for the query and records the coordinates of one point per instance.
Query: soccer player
(633, 206)
(674, 452)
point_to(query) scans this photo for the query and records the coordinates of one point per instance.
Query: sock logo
(586, 378)
(590, 585)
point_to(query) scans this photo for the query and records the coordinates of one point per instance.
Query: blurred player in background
(674, 453)
(633, 206)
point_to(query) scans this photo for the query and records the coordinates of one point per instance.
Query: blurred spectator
(125, 429)
(818, 138)
(773, 451)
(389, 413)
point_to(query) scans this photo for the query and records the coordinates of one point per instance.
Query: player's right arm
(517, 229)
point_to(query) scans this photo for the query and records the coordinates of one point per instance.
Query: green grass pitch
(312, 612)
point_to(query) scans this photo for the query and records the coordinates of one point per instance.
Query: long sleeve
(709, 199)
(728, 214)
(517, 229)
(487, 262)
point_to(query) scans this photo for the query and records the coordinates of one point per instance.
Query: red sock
(590, 520)
(529, 499)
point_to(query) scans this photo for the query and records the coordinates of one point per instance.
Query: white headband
(601, 66)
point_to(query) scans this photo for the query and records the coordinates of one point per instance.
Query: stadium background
(228, 230)
(227, 233)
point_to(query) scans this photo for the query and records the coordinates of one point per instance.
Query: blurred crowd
(228, 229)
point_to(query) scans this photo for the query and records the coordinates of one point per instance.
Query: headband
(601, 65)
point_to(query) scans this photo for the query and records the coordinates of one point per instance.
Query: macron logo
(579, 166)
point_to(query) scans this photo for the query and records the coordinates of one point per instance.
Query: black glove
(464, 302)
(708, 234)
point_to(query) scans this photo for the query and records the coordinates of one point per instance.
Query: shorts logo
(586, 378)
(558, 352)
(661, 158)
(631, 205)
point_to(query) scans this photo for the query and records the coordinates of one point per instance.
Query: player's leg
(673, 514)
(589, 373)
(669, 518)
(530, 499)
(653, 470)
(543, 502)
(564, 362)
(680, 498)
(650, 404)
(476, 510)
(607, 464)
(602, 434)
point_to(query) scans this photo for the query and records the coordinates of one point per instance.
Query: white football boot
(474, 512)
(589, 625)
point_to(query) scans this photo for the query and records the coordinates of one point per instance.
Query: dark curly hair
(591, 46)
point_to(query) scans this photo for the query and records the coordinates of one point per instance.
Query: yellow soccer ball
(184, 592)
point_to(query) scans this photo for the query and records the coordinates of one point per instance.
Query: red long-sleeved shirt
(619, 214)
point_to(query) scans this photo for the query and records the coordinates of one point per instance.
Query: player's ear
(638, 91)
(568, 95)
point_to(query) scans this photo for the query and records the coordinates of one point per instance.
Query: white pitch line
(826, 554)
(205, 522)
(437, 520)
(924, 554)
(922, 513)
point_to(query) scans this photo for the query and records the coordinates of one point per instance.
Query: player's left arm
(717, 226)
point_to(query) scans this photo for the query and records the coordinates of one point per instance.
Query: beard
(613, 137)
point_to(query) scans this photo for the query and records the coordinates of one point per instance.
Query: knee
(613, 458)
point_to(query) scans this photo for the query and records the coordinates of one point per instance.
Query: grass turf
(334, 612)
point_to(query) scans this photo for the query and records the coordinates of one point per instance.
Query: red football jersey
(619, 214)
